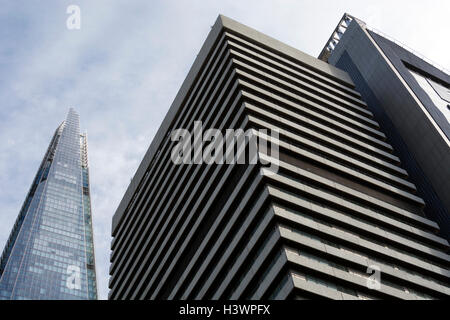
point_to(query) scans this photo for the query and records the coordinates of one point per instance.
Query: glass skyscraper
(50, 252)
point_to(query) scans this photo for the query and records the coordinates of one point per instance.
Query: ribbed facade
(339, 202)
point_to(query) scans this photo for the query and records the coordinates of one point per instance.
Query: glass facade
(50, 252)
(439, 94)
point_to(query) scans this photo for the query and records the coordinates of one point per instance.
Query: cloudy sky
(123, 68)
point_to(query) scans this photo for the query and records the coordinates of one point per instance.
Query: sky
(124, 66)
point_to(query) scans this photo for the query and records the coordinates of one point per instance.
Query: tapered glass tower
(50, 252)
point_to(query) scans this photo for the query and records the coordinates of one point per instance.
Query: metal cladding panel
(423, 151)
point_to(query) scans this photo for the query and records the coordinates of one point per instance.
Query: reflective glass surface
(439, 94)
(50, 252)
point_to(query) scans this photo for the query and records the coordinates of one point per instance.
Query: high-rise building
(410, 98)
(50, 252)
(339, 207)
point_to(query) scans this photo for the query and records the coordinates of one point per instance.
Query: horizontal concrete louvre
(211, 269)
(168, 161)
(315, 126)
(316, 289)
(349, 259)
(395, 285)
(302, 133)
(229, 111)
(269, 276)
(161, 180)
(318, 86)
(314, 99)
(191, 194)
(351, 181)
(410, 217)
(344, 238)
(338, 201)
(276, 90)
(331, 154)
(291, 53)
(190, 212)
(284, 290)
(167, 143)
(351, 280)
(321, 270)
(200, 86)
(249, 269)
(224, 227)
(176, 181)
(334, 166)
(297, 64)
(162, 204)
(251, 90)
(174, 235)
(297, 87)
(204, 59)
(359, 228)
(356, 208)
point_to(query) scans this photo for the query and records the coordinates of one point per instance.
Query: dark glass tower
(339, 205)
(410, 98)
(50, 252)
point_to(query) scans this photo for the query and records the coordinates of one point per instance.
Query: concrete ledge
(221, 23)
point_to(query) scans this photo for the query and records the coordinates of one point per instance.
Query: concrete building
(339, 206)
(410, 98)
